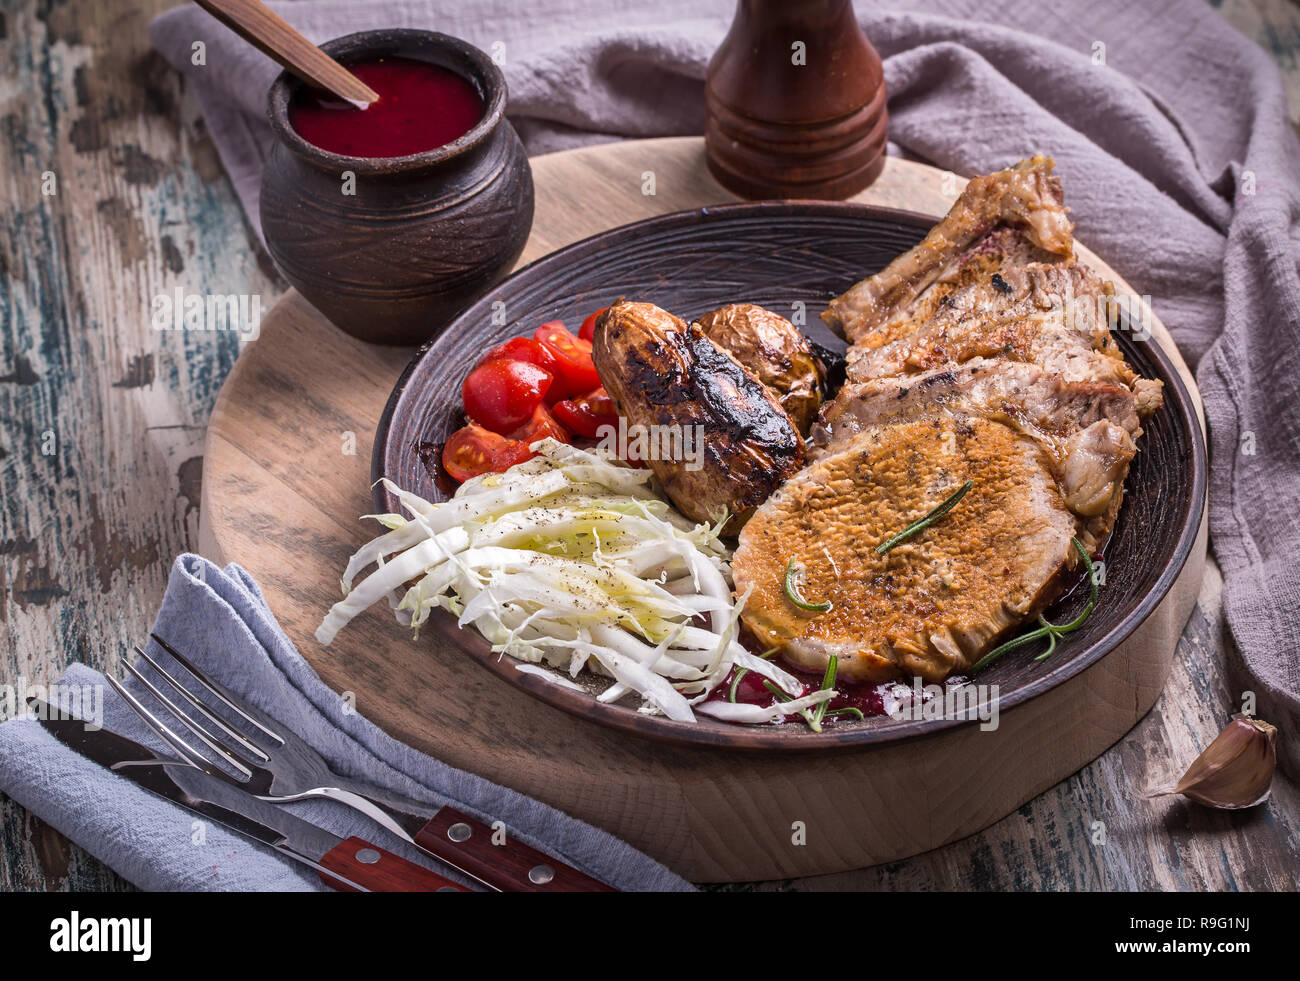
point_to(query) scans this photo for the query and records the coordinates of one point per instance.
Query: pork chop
(1006, 219)
(998, 277)
(983, 354)
(930, 606)
(1052, 315)
(1085, 430)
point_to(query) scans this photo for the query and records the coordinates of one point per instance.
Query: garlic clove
(1235, 771)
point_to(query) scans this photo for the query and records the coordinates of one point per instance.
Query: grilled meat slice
(1085, 430)
(932, 605)
(1055, 316)
(1052, 315)
(985, 354)
(775, 351)
(993, 314)
(996, 278)
(1009, 218)
(666, 374)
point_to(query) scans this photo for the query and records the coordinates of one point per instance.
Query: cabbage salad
(572, 560)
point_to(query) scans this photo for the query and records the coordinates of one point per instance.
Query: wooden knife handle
(511, 866)
(380, 871)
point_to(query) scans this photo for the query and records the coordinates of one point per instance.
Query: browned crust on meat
(989, 336)
(1026, 198)
(930, 606)
(1086, 430)
(660, 371)
(1052, 315)
(775, 351)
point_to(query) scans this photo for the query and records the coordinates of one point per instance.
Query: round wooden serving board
(286, 473)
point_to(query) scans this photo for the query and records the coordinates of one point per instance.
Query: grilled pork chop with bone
(984, 354)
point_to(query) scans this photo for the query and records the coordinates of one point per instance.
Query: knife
(293, 770)
(349, 865)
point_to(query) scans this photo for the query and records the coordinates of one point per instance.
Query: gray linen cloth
(219, 619)
(1168, 127)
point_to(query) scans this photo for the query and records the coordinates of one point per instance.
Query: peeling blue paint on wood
(101, 417)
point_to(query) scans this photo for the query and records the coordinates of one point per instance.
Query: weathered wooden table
(103, 422)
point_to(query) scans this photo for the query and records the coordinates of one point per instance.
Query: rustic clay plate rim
(714, 733)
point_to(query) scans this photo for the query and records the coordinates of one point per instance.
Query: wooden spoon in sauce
(260, 26)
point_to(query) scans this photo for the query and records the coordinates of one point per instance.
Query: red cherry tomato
(576, 373)
(523, 349)
(501, 395)
(534, 352)
(587, 414)
(473, 450)
(541, 425)
(588, 329)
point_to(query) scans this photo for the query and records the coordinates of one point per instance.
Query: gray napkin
(219, 619)
(1168, 127)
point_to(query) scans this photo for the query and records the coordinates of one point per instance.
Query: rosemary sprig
(828, 681)
(813, 724)
(848, 710)
(921, 524)
(1051, 631)
(735, 680)
(739, 673)
(792, 574)
(815, 715)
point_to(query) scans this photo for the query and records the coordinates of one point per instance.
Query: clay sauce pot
(422, 235)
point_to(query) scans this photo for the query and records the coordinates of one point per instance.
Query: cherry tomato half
(541, 425)
(501, 395)
(473, 450)
(588, 329)
(576, 373)
(585, 415)
(523, 349)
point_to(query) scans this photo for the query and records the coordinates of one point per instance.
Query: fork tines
(230, 747)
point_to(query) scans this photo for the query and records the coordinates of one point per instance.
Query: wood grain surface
(102, 416)
(287, 469)
(87, 533)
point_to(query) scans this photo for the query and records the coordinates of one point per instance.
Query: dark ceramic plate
(777, 254)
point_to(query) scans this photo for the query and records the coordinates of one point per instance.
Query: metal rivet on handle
(367, 856)
(540, 875)
(459, 831)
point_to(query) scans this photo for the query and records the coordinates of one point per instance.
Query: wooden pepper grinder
(796, 102)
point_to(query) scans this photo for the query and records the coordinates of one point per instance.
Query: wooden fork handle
(508, 865)
(378, 870)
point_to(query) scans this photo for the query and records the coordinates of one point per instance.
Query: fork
(276, 765)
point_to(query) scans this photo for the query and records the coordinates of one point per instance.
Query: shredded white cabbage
(572, 560)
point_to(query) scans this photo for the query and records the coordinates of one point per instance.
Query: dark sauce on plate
(870, 700)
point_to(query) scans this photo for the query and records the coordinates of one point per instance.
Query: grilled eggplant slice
(775, 351)
(671, 381)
